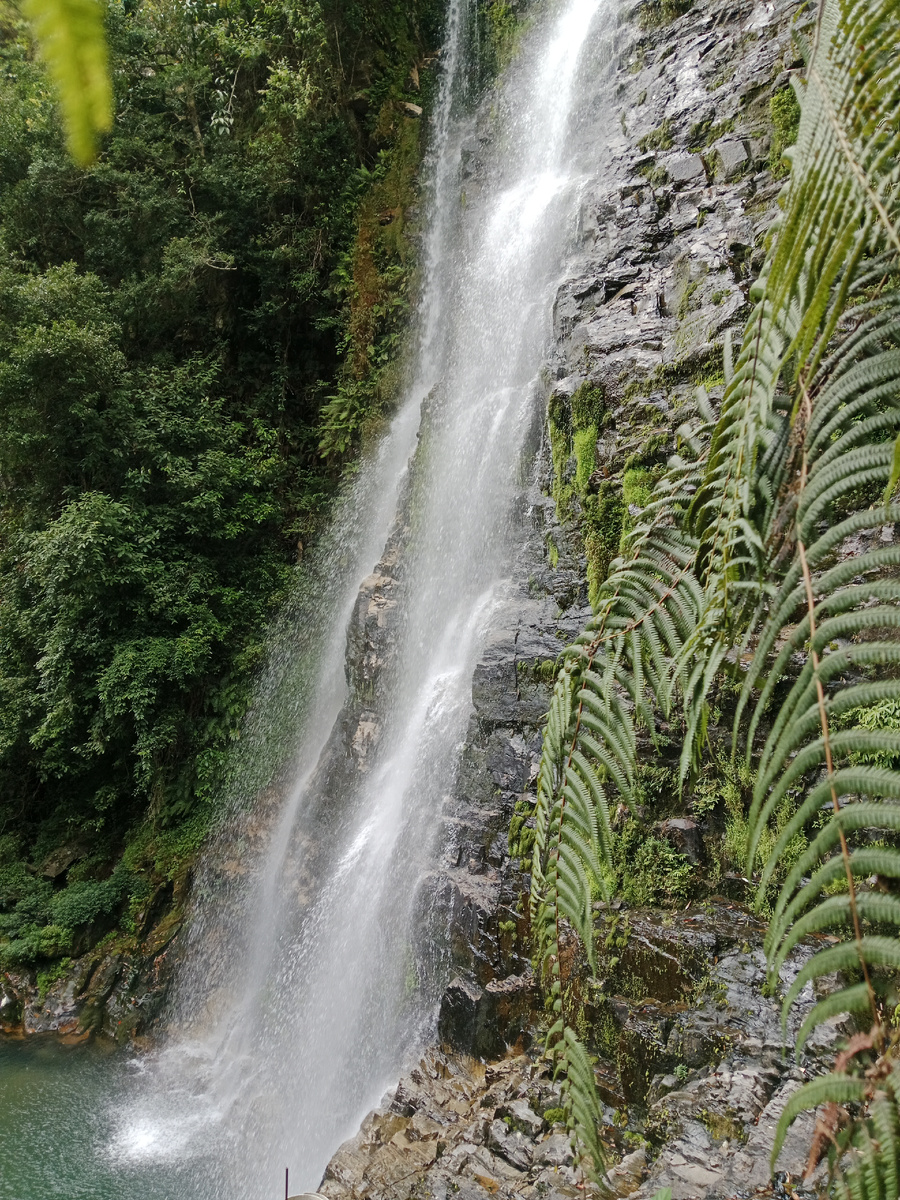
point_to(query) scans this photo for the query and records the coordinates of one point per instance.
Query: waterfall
(303, 989)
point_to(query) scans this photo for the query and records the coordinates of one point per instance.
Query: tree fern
(837, 243)
(740, 552)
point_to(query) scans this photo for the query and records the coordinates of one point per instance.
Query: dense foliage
(193, 337)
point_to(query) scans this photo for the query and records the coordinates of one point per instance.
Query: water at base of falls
(305, 987)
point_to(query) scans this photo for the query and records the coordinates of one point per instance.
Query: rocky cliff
(681, 143)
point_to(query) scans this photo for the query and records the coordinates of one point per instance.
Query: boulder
(510, 1144)
(519, 1114)
(483, 1021)
(626, 1176)
(684, 834)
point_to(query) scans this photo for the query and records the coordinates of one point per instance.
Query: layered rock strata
(692, 1072)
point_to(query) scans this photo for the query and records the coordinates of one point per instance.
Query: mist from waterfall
(304, 987)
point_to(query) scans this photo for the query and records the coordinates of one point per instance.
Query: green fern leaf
(837, 911)
(744, 548)
(832, 1088)
(72, 40)
(876, 950)
(883, 1111)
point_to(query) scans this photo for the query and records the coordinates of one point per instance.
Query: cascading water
(303, 988)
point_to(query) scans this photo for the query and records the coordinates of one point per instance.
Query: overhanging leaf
(72, 40)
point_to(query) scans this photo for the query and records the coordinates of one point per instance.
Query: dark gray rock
(519, 1114)
(458, 1018)
(685, 168)
(483, 1021)
(684, 834)
(510, 1144)
(732, 155)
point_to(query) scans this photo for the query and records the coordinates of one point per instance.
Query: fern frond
(837, 912)
(833, 1088)
(867, 1161)
(72, 40)
(613, 680)
(871, 950)
(739, 551)
(862, 863)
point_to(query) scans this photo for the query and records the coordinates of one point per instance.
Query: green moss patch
(658, 139)
(784, 111)
(657, 13)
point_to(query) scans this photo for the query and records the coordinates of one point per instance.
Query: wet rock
(59, 861)
(625, 1178)
(555, 1151)
(506, 1013)
(661, 1085)
(54, 1012)
(685, 168)
(163, 932)
(519, 1115)
(510, 1144)
(684, 834)
(641, 1050)
(732, 156)
(471, 157)
(665, 961)
(458, 1017)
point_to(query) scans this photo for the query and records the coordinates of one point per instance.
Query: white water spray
(303, 993)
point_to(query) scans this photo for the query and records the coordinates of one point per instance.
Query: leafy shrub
(171, 322)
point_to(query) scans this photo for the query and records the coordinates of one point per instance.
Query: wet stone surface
(693, 1085)
(690, 1053)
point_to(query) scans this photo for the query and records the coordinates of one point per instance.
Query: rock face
(670, 237)
(114, 993)
(480, 885)
(692, 1072)
(457, 1127)
(691, 1062)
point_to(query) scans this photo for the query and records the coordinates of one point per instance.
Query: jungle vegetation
(194, 334)
(764, 566)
